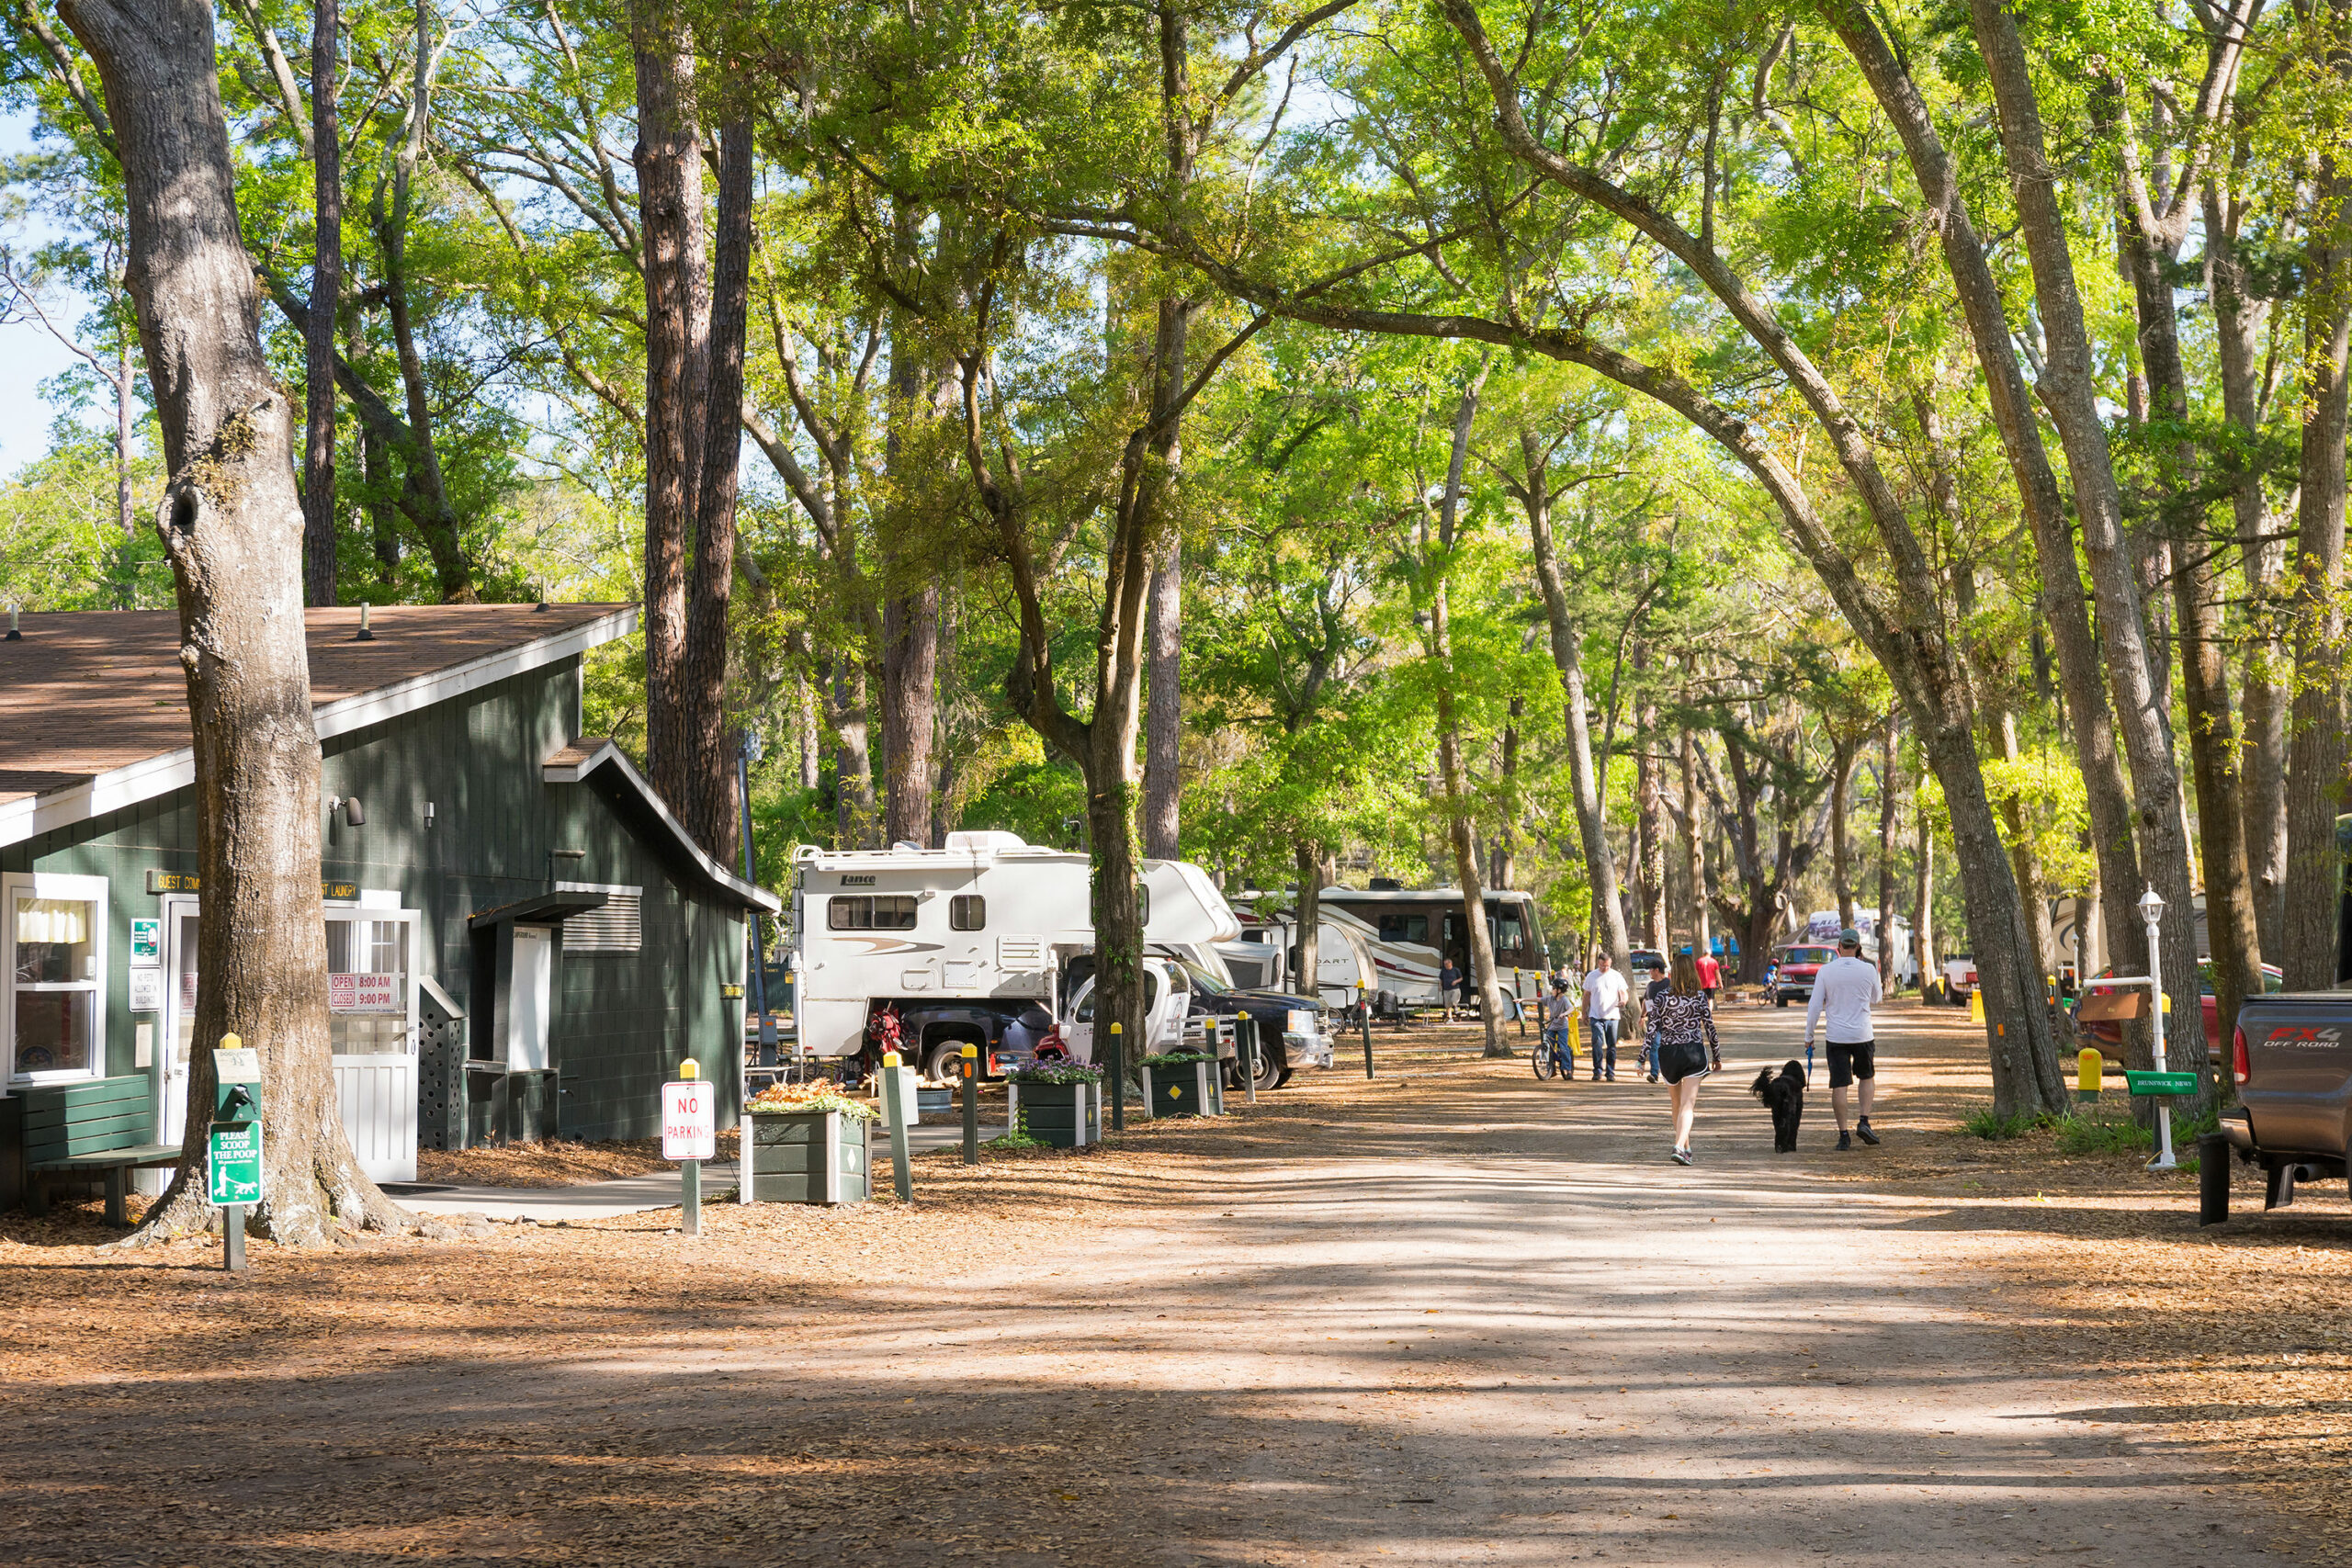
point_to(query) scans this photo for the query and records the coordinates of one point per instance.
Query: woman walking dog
(1681, 1040)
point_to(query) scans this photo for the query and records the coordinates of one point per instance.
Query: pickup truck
(2291, 1055)
(1180, 996)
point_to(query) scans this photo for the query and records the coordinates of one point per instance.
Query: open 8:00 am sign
(689, 1120)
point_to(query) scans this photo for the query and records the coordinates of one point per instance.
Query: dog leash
(1808, 1061)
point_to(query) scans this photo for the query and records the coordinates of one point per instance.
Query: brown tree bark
(2149, 237)
(1886, 855)
(1461, 832)
(1842, 753)
(920, 399)
(1649, 815)
(2315, 762)
(1694, 865)
(2062, 604)
(2238, 317)
(668, 157)
(1923, 903)
(326, 292)
(1307, 952)
(2069, 390)
(1163, 782)
(232, 525)
(1532, 490)
(706, 798)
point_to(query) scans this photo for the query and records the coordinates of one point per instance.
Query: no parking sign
(689, 1120)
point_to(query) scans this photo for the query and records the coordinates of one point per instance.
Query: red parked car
(2109, 1034)
(1793, 972)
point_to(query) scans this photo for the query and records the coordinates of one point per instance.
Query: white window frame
(55, 884)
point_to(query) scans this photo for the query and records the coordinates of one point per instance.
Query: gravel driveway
(1455, 1316)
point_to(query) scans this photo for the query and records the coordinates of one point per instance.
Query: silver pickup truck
(2291, 1055)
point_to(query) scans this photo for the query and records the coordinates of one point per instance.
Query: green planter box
(1065, 1115)
(1189, 1089)
(809, 1156)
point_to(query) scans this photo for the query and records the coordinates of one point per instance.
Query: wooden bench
(99, 1126)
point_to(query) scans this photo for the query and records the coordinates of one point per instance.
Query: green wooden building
(522, 941)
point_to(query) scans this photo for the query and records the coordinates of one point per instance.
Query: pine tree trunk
(1694, 868)
(1841, 858)
(1163, 782)
(326, 292)
(1649, 820)
(1886, 856)
(1923, 898)
(2315, 763)
(668, 157)
(853, 818)
(708, 804)
(919, 402)
(232, 525)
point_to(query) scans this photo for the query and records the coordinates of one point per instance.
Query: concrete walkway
(634, 1194)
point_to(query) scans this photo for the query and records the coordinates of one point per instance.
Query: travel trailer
(954, 943)
(1267, 956)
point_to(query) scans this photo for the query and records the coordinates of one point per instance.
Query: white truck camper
(962, 942)
(1267, 956)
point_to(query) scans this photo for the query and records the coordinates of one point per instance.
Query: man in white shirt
(1605, 992)
(1843, 994)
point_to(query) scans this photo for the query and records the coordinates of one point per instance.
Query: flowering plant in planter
(820, 1095)
(1057, 1072)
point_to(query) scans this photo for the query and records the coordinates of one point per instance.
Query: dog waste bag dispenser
(234, 1152)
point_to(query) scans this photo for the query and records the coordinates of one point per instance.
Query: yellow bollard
(1976, 1007)
(2088, 1068)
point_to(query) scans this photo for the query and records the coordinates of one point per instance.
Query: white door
(371, 1022)
(179, 1015)
(527, 998)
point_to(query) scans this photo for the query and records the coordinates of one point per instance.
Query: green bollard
(1248, 1026)
(1364, 1013)
(894, 1113)
(1118, 1069)
(971, 1068)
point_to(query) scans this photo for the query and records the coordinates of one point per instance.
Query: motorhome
(1430, 920)
(949, 945)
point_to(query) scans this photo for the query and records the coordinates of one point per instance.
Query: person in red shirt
(1710, 976)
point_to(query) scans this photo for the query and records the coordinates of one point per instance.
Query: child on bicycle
(1557, 1015)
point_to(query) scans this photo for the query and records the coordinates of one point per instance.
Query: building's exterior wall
(621, 1023)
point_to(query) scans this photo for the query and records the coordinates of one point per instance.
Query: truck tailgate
(2298, 1092)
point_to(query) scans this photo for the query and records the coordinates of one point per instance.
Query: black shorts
(1848, 1063)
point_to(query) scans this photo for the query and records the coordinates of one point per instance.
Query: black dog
(1784, 1094)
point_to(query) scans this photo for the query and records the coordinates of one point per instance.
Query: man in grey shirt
(1843, 992)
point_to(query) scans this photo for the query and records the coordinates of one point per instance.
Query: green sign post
(2151, 1085)
(233, 1145)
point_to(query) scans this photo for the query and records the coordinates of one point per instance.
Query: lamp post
(2152, 911)
(746, 754)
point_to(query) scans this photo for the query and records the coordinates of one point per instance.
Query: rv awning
(544, 909)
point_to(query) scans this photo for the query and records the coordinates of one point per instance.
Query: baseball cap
(1850, 936)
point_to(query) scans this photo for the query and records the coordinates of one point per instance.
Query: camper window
(967, 912)
(1405, 928)
(864, 912)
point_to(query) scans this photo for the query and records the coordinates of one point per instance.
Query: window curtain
(65, 921)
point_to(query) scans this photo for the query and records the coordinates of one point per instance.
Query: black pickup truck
(2291, 1055)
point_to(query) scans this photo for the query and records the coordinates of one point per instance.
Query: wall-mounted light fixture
(354, 814)
(429, 814)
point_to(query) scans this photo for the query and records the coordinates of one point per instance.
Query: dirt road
(1458, 1315)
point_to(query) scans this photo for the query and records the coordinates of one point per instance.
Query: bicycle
(1550, 1058)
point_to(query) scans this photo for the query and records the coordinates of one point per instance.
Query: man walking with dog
(1843, 994)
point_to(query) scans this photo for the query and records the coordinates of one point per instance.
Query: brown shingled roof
(88, 691)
